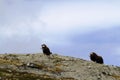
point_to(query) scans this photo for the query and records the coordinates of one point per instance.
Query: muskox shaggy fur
(45, 49)
(94, 57)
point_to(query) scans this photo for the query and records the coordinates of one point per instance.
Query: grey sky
(73, 28)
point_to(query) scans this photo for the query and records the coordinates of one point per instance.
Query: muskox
(96, 58)
(45, 50)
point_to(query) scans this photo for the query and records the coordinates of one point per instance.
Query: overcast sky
(69, 27)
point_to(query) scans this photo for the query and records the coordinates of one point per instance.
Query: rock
(33, 65)
(55, 67)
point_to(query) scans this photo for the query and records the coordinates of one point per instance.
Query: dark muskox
(94, 57)
(45, 49)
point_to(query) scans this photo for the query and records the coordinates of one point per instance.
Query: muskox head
(94, 57)
(45, 49)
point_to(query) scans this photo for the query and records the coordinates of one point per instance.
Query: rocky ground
(55, 67)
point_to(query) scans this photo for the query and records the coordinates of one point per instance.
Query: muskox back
(94, 57)
(45, 49)
(99, 60)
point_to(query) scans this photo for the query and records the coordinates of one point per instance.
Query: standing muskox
(96, 58)
(45, 49)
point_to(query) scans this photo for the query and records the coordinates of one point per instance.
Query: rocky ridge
(55, 67)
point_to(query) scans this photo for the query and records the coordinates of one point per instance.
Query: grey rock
(59, 67)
